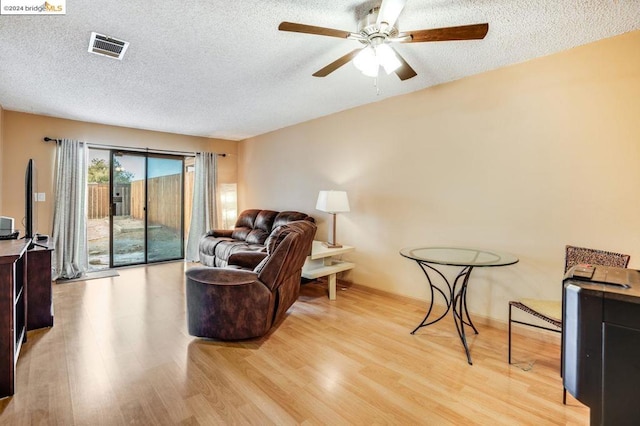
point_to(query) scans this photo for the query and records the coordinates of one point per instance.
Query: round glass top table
(456, 296)
(458, 256)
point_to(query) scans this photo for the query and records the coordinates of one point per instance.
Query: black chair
(551, 310)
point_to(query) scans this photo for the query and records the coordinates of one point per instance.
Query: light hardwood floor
(119, 353)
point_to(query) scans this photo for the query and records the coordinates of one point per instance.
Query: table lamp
(333, 202)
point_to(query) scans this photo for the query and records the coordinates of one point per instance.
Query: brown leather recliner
(234, 304)
(251, 230)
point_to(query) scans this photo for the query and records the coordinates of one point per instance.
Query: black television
(29, 194)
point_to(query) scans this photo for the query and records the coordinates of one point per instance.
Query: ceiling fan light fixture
(387, 58)
(371, 58)
(366, 62)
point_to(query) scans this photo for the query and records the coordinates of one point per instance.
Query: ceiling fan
(377, 31)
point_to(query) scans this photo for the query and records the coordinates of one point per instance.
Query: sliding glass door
(128, 208)
(98, 209)
(136, 207)
(165, 201)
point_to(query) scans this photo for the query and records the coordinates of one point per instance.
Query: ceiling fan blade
(464, 32)
(404, 71)
(310, 29)
(389, 11)
(336, 64)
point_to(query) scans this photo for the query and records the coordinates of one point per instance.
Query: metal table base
(456, 296)
(455, 300)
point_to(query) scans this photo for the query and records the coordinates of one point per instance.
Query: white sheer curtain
(70, 210)
(204, 210)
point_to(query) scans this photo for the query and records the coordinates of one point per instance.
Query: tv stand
(39, 290)
(25, 301)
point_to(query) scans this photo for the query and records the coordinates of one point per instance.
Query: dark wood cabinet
(13, 309)
(25, 302)
(40, 295)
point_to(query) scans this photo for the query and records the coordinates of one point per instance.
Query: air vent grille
(107, 46)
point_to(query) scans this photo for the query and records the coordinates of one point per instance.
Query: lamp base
(330, 245)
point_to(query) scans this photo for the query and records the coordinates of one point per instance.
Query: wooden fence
(98, 200)
(164, 200)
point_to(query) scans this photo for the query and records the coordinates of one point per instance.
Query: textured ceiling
(222, 69)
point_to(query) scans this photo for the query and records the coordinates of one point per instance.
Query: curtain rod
(157, 151)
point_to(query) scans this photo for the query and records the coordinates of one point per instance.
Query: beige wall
(23, 139)
(524, 159)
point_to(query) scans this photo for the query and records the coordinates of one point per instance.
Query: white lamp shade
(369, 59)
(367, 62)
(333, 202)
(388, 58)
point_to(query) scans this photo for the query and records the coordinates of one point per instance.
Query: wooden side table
(321, 263)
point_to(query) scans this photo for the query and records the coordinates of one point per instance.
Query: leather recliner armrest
(220, 233)
(247, 259)
(222, 276)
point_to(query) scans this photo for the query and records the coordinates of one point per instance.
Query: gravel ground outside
(164, 243)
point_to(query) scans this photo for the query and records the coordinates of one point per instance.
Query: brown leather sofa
(252, 229)
(235, 303)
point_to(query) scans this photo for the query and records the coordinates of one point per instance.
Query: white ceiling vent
(107, 46)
